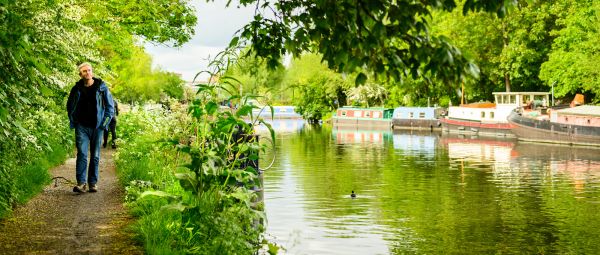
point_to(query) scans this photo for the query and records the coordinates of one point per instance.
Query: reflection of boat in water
(579, 164)
(415, 142)
(554, 152)
(353, 135)
(368, 118)
(282, 125)
(479, 149)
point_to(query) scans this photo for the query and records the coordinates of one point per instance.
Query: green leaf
(157, 193)
(46, 91)
(3, 113)
(234, 42)
(176, 207)
(211, 107)
(244, 110)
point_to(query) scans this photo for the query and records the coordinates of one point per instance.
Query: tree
(390, 38)
(572, 64)
(508, 51)
(135, 80)
(255, 78)
(368, 95)
(41, 44)
(317, 90)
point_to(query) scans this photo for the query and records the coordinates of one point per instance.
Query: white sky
(215, 28)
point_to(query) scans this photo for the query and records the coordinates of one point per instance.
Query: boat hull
(362, 123)
(476, 128)
(545, 131)
(416, 124)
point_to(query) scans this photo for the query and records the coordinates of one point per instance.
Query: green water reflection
(429, 194)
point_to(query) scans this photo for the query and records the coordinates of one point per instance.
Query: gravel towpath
(59, 221)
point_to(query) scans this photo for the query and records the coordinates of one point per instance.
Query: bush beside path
(59, 221)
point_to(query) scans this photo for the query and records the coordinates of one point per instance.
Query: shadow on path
(59, 221)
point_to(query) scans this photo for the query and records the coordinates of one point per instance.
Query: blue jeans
(87, 139)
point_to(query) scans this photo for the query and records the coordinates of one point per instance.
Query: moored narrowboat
(417, 118)
(490, 119)
(279, 112)
(578, 125)
(373, 118)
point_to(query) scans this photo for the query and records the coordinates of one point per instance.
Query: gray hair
(82, 65)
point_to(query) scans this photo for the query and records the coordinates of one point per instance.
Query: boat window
(376, 115)
(482, 115)
(411, 115)
(367, 114)
(422, 115)
(505, 99)
(491, 115)
(513, 99)
(358, 114)
(343, 113)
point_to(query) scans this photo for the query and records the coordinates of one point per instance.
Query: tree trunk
(505, 46)
(507, 81)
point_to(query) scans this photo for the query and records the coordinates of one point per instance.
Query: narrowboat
(417, 118)
(490, 119)
(370, 118)
(279, 112)
(579, 125)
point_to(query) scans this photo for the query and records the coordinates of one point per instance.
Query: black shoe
(104, 145)
(80, 188)
(114, 146)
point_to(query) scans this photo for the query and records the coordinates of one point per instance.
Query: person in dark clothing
(90, 108)
(112, 128)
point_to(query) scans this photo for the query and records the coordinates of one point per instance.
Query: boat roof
(522, 93)
(587, 110)
(479, 105)
(418, 107)
(363, 108)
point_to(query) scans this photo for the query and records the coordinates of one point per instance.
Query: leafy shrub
(206, 206)
(26, 159)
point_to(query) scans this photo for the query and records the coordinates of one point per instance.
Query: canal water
(428, 193)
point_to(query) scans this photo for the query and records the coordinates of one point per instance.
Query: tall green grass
(32, 178)
(177, 221)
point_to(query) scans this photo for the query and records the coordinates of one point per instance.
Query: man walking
(112, 128)
(90, 108)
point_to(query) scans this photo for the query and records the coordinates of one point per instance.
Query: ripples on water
(428, 193)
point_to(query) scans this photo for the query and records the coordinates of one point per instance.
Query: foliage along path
(59, 221)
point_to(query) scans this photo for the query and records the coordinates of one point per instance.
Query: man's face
(86, 72)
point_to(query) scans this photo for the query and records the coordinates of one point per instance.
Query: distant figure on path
(90, 108)
(112, 128)
(353, 195)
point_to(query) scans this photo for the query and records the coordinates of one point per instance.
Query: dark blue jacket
(104, 104)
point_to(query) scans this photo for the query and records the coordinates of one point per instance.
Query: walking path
(59, 221)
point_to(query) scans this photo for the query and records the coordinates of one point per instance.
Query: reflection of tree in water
(484, 197)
